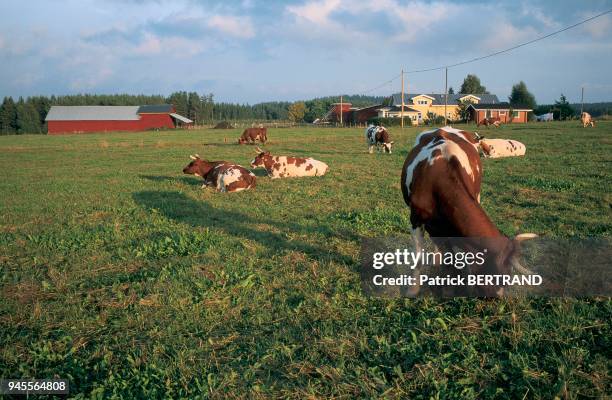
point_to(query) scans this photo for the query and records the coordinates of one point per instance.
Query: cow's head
(387, 146)
(241, 141)
(259, 160)
(197, 166)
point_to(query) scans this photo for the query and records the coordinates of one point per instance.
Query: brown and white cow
(586, 119)
(498, 148)
(495, 121)
(251, 135)
(379, 137)
(286, 167)
(222, 175)
(440, 182)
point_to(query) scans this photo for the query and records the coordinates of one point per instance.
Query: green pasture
(122, 275)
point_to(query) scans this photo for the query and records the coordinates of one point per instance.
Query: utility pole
(445, 97)
(402, 122)
(582, 102)
(341, 111)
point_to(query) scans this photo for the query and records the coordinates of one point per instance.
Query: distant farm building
(350, 114)
(504, 111)
(420, 107)
(84, 119)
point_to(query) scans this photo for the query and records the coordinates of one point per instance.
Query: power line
(416, 71)
(513, 47)
(381, 85)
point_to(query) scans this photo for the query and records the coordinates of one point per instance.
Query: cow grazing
(498, 148)
(251, 135)
(286, 167)
(586, 119)
(379, 137)
(496, 122)
(440, 183)
(222, 175)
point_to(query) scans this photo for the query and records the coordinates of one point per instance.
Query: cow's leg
(370, 149)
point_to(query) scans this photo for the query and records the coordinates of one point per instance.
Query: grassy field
(122, 275)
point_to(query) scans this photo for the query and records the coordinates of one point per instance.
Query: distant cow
(251, 135)
(498, 148)
(490, 121)
(440, 182)
(379, 137)
(222, 175)
(285, 167)
(586, 119)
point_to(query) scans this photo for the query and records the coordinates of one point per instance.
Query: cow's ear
(193, 157)
(392, 142)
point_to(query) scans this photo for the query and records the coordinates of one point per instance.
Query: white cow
(498, 148)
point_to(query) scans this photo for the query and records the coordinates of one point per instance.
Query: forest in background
(28, 115)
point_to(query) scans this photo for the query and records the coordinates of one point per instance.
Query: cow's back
(440, 161)
(230, 177)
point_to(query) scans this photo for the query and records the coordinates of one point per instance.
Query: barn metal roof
(155, 108)
(438, 99)
(93, 113)
(181, 118)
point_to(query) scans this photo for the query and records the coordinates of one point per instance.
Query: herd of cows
(440, 182)
(226, 176)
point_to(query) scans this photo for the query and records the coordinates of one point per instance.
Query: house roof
(499, 106)
(156, 108)
(93, 113)
(399, 109)
(438, 99)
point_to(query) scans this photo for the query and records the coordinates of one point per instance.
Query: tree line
(28, 115)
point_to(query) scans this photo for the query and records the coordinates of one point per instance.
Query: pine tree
(8, 117)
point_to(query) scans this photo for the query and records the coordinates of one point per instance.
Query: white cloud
(240, 27)
(504, 34)
(598, 28)
(409, 20)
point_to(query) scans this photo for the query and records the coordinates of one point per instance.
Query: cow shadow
(179, 207)
(183, 179)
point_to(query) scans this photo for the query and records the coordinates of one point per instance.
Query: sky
(252, 51)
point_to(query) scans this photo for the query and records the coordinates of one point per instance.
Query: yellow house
(418, 107)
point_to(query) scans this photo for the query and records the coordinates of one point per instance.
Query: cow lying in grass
(251, 135)
(222, 175)
(379, 137)
(496, 122)
(440, 183)
(498, 148)
(286, 167)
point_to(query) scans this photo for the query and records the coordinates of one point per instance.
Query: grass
(122, 275)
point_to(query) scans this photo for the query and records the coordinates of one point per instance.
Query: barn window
(488, 113)
(515, 114)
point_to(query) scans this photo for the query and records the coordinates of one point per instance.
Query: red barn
(84, 119)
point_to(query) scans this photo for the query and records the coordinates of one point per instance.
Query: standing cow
(222, 175)
(586, 119)
(498, 148)
(251, 135)
(440, 182)
(379, 137)
(286, 167)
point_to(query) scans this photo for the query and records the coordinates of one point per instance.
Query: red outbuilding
(87, 119)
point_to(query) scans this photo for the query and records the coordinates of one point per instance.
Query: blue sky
(252, 51)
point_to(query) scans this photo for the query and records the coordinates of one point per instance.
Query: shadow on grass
(183, 179)
(179, 207)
